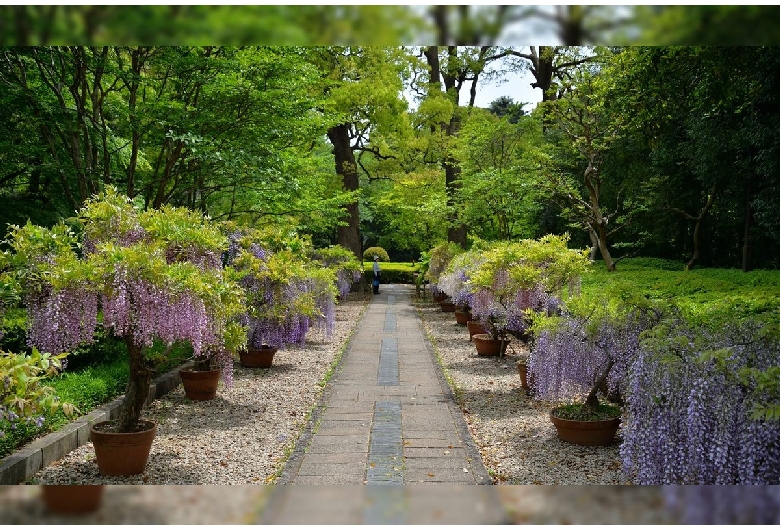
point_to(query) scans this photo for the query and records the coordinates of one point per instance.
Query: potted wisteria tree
(580, 359)
(517, 280)
(454, 281)
(703, 405)
(146, 276)
(346, 267)
(285, 293)
(439, 257)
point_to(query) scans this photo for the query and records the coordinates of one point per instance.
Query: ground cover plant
(85, 389)
(92, 375)
(700, 291)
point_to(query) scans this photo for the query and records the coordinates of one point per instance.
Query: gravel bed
(514, 434)
(243, 436)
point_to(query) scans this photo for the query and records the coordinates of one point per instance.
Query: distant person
(375, 282)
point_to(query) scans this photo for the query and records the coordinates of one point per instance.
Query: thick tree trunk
(598, 223)
(346, 168)
(457, 231)
(137, 389)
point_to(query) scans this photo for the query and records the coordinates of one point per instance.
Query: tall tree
(587, 130)
(362, 95)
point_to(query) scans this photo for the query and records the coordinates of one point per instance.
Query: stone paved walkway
(389, 419)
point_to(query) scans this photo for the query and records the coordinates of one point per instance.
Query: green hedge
(391, 272)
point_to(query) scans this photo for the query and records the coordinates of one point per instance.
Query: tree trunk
(346, 168)
(592, 401)
(594, 243)
(697, 228)
(457, 231)
(597, 224)
(137, 389)
(746, 265)
(135, 135)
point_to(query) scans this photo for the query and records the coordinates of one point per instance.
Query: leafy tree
(587, 130)
(153, 275)
(702, 115)
(227, 131)
(506, 106)
(362, 96)
(499, 195)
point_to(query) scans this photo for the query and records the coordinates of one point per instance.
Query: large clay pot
(462, 317)
(488, 347)
(591, 433)
(120, 453)
(199, 385)
(447, 307)
(474, 327)
(72, 499)
(257, 358)
(439, 296)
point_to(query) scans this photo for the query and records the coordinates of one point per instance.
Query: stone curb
(22, 465)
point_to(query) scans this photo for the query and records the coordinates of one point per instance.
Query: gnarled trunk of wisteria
(137, 388)
(592, 401)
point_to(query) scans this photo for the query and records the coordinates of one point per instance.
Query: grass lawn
(699, 291)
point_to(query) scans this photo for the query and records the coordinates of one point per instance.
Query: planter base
(488, 347)
(591, 433)
(525, 381)
(462, 317)
(199, 385)
(67, 499)
(447, 307)
(121, 454)
(474, 327)
(262, 358)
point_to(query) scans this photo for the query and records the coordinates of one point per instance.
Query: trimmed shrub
(370, 252)
(392, 273)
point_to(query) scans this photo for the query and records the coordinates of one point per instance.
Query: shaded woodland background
(77, 114)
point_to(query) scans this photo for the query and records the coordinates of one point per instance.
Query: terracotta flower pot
(447, 307)
(257, 358)
(474, 327)
(75, 499)
(440, 296)
(488, 347)
(591, 433)
(462, 317)
(199, 385)
(119, 453)
(525, 381)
